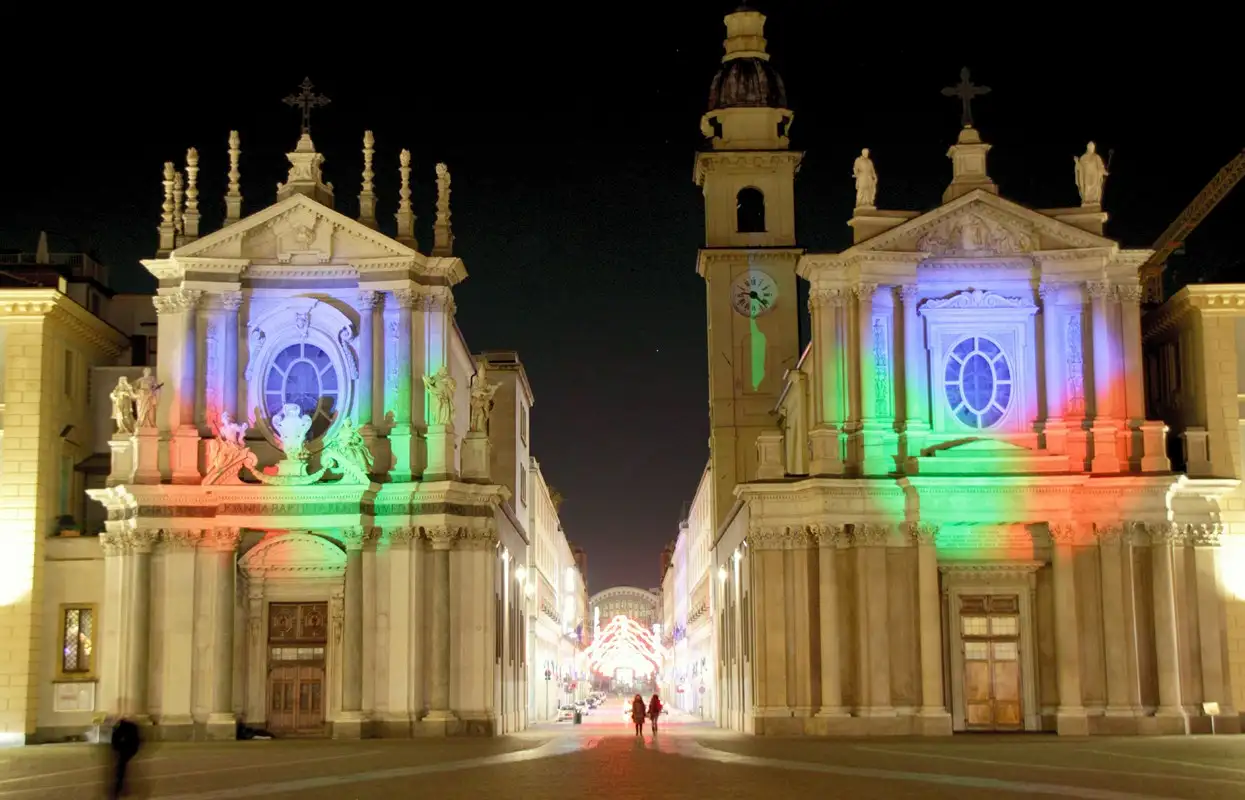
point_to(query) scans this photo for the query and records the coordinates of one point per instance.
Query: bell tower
(749, 259)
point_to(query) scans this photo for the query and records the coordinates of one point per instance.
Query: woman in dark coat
(638, 713)
(654, 710)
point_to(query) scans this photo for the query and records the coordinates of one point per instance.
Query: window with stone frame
(77, 641)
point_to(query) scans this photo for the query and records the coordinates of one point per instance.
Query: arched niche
(750, 210)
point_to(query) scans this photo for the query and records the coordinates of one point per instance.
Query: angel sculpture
(228, 452)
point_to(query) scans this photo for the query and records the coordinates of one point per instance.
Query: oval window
(303, 374)
(977, 382)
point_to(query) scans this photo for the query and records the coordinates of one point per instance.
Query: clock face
(753, 293)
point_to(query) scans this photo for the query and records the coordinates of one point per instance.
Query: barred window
(78, 640)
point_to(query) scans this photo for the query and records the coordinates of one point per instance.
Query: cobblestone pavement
(602, 758)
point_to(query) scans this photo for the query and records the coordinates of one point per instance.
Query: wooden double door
(990, 641)
(297, 694)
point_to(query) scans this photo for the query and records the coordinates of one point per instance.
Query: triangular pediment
(980, 224)
(296, 230)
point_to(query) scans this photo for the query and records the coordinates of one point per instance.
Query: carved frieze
(881, 370)
(1074, 379)
(975, 298)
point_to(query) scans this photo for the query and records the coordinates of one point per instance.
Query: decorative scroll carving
(1108, 533)
(255, 343)
(1075, 365)
(346, 337)
(1204, 534)
(780, 537)
(1064, 533)
(828, 535)
(1130, 294)
(922, 533)
(870, 535)
(182, 539)
(833, 297)
(1098, 290)
(226, 539)
(974, 298)
(337, 613)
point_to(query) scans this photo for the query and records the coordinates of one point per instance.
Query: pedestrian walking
(125, 745)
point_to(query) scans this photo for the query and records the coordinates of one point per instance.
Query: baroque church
(953, 510)
(315, 506)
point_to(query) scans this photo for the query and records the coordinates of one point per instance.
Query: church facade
(952, 510)
(320, 507)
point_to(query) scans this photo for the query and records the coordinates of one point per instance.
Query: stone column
(1166, 641)
(871, 540)
(352, 638)
(1070, 717)
(828, 611)
(442, 540)
(400, 434)
(134, 697)
(231, 301)
(1206, 541)
(256, 655)
(826, 306)
(1106, 420)
(1055, 428)
(916, 383)
(367, 303)
(221, 723)
(1111, 566)
(935, 719)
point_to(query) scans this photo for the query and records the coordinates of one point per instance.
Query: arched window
(750, 211)
(303, 374)
(978, 382)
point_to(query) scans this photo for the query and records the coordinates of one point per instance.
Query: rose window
(304, 375)
(977, 382)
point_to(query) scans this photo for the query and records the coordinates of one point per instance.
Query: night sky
(571, 137)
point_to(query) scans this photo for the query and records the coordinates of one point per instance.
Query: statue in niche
(866, 180)
(291, 426)
(147, 398)
(441, 386)
(1091, 174)
(346, 452)
(123, 405)
(228, 452)
(481, 398)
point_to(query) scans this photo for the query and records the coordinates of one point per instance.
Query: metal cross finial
(307, 100)
(966, 91)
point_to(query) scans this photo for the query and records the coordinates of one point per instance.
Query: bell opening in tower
(750, 211)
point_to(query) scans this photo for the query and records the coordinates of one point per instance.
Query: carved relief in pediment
(975, 234)
(302, 236)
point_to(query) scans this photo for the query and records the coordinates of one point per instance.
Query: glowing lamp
(520, 573)
(723, 574)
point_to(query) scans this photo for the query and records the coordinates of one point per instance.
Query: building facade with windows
(315, 505)
(953, 510)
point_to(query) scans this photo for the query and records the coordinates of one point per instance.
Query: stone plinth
(770, 456)
(122, 447)
(827, 452)
(184, 455)
(476, 454)
(400, 439)
(146, 453)
(441, 445)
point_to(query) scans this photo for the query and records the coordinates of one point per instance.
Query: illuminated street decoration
(624, 644)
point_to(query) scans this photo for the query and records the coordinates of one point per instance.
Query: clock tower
(749, 260)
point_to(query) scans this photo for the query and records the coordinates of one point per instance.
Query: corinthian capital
(368, 299)
(406, 298)
(1098, 289)
(231, 301)
(1161, 533)
(922, 533)
(1130, 294)
(870, 535)
(442, 537)
(909, 293)
(833, 297)
(864, 291)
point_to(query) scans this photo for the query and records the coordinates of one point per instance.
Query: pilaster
(1070, 718)
(934, 719)
(916, 378)
(1106, 404)
(177, 594)
(1170, 712)
(874, 674)
(1054, 429)
(1112, 548)
(400, 434)
(828, 311)
(828, 537)
(221, 722)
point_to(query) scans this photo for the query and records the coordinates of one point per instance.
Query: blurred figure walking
(125, 745)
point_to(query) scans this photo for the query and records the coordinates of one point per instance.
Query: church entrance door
(297, 633)
(990, 631)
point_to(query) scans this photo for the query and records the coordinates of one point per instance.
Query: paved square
(603, 759)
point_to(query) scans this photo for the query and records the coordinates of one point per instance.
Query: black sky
(570, 135)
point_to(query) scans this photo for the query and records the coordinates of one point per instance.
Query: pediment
(980, 224)
(294, 554)
(298, 231)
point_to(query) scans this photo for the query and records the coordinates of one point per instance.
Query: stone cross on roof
(966, 91)
(307, 100)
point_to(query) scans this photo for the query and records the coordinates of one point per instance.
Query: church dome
(747, 83)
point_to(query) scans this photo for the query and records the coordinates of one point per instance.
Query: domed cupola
(747, 98)
(747, 79)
